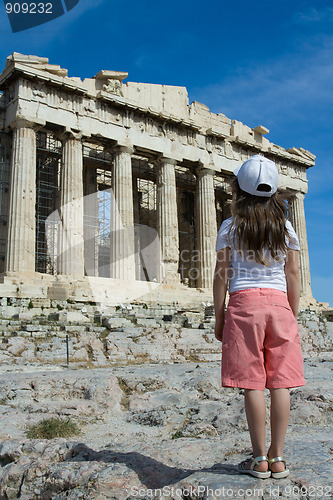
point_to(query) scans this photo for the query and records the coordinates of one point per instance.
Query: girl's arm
(292, 277)
(220, 284)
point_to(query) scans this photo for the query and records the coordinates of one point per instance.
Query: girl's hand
(219, 329)
(218, 334)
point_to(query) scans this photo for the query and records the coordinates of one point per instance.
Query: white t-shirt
(245, 271)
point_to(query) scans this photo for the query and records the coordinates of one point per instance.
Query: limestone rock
(153, 416)
(152, 426)
(16, 345)
(80, 355)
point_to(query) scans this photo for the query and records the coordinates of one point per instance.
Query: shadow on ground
(151, 472)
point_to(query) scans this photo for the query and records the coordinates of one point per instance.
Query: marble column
(91, 222)
(136, 218)
(71, 243)
(297, 217)
(21, 241)
(167, 220)
(206, 226)
(122, 265)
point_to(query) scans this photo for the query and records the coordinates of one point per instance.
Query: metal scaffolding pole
(49, 157)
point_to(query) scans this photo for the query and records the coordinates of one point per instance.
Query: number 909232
(29, 8)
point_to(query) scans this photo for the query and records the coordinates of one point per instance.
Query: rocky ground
(151, 428)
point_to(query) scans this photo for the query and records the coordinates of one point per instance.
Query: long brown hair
(259, 223)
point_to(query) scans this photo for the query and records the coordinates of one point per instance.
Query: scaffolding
(49, 154)
(144, 203)
(104, 222)
(144, 187)
(145, 217)
(98, 221)
(186, 191)
(96, 154)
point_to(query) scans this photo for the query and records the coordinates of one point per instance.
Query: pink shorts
(261, 346)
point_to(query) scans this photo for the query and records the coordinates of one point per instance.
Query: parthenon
(95, 172)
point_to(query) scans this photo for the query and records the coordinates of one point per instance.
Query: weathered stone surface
(45, 342)
(150, 418)
(115, 322)
(169, 431)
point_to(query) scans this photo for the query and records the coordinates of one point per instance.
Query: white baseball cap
(258, 176)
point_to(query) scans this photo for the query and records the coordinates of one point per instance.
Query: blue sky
(267, 63)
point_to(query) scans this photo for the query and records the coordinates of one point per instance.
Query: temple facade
(119, 185)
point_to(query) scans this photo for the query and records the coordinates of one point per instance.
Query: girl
(257, 254)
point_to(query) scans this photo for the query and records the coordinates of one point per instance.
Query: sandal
(278, 475)
(254, 462)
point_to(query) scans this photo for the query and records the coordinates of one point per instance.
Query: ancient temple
(120, 187)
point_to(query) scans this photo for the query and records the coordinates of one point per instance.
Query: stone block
(40, 302)
(63, 316)
(35, 328)
(61, 334)
(148, 322)
(38, 335)
(53, 316)
(75, 329)
(58, 292)
(8, 290)
(61, 303)
(97, 317)
(96, 329)
(9, 311)
(113, 322)
(75, 316)
(21, 334)
(33, 291)
(25, 316)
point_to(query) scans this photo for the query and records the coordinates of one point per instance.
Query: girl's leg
(255, 408)
(280, 408)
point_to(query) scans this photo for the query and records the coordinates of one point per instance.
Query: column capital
(296, 195)
(70, 134)
(123, 148)
(167, 160)
(23, 122)
(299, 195)
(203, 170)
